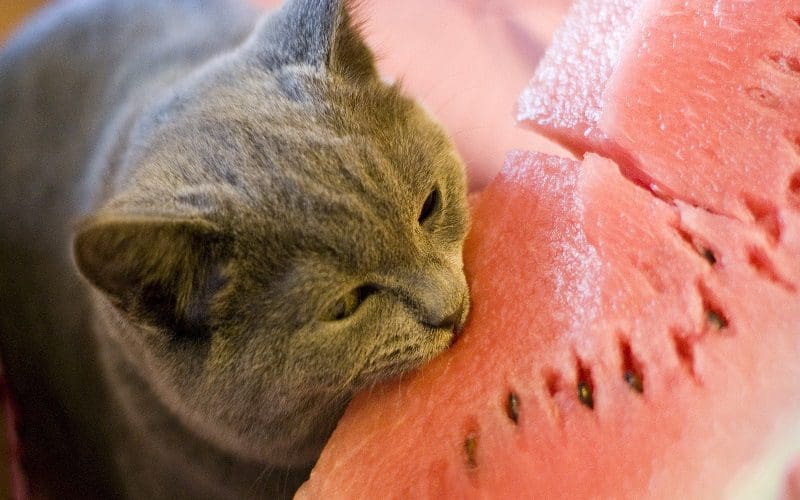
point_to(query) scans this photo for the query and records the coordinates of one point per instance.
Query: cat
(215, 228)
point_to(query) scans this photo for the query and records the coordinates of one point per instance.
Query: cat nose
(450, 322)
(439, 296)
(446, 319)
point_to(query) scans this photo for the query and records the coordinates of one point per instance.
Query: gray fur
(219, 183)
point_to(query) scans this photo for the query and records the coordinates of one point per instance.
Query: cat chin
(289, 438)
(276, 450)
(383, 370)
(144, 392)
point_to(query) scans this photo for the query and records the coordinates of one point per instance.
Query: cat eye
(430, 205)
(348, 303)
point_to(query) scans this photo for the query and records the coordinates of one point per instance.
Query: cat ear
(160, 271)
(318, 33)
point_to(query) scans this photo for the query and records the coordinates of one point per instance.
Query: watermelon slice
(696, 99)
(635, 328)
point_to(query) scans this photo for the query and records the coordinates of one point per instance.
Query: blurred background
(12, 12)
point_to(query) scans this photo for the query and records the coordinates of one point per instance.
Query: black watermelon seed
(709, 256)
(512, 407)
(634, 381)
(716, 320)
(470, 447)
(585, 394)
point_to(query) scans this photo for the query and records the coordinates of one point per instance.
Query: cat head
(285, 229)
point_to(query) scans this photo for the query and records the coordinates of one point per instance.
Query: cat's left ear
(160, 271)
(318, 33)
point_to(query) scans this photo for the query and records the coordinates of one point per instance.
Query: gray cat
(214, 229)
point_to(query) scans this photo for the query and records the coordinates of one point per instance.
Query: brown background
(12, 12)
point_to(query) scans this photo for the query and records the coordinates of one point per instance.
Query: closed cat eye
(430, 205)
(348, 303)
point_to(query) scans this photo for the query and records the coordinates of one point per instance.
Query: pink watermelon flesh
(791, 486)
(564, 98)
(635, 329)
(697, 99)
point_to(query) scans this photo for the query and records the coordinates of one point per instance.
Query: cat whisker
(285, 488)
(268, 470)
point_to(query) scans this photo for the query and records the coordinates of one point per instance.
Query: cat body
(214, 229)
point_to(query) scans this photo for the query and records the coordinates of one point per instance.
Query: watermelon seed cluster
(716, 321)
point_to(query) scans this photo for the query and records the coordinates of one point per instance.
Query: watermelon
(791, 488)
(635, 327)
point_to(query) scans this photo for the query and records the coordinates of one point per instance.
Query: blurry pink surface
(791, 486)
(467, 61)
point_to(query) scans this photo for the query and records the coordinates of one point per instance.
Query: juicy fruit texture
(635, 327)
(698, 99)
(565, 96)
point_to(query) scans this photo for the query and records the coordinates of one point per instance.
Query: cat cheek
(454, 259)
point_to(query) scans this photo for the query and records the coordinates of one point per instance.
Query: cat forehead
(237, 101)
(342, 183)
(286, 156)
(247, 131)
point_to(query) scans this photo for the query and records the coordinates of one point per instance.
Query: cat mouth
(409, 357)
(458, 328)
(456, 334)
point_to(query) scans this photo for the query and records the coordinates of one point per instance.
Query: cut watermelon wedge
(696, 99)
(635, 329)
